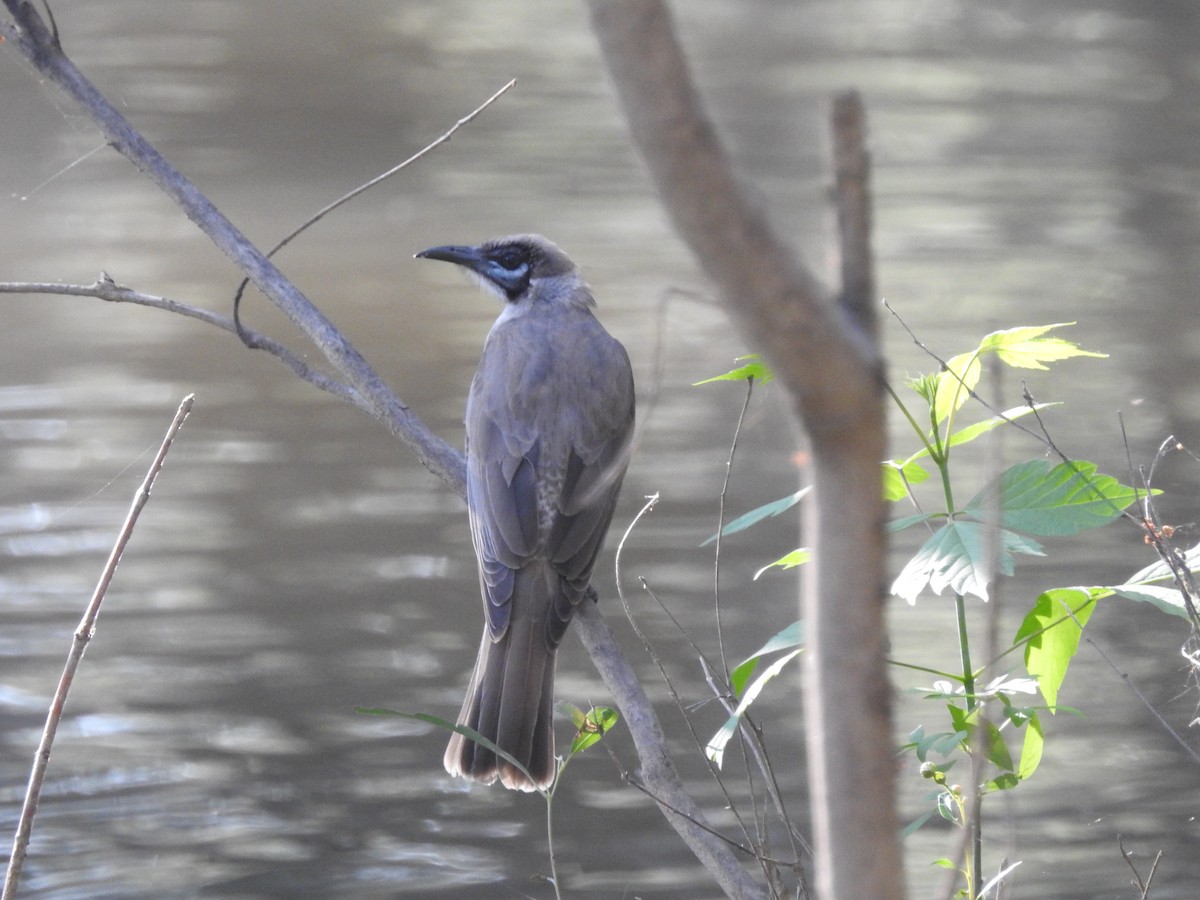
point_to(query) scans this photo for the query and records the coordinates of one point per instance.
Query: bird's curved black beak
(468, 257)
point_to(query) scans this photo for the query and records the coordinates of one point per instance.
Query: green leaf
(787, 639)
(797, 557)
(757, 370)
(1053, 628)
(898, 475)
(1167, 599)
(1031, 749)
(1037, 498)
(970, 432)
(903, 522)
(1022, 347)
(774, 508)
(941, 743)
(1025, 348)
(944, 863)
(925, 386)
(1160, 571)
(715, 750)
(1003, 782)
(955, 556)
(955, 384)
(590, 727)
(897, 472)
(992, 741)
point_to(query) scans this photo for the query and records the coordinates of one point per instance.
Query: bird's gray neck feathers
(558, 290)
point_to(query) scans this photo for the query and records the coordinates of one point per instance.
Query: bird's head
(512, 267)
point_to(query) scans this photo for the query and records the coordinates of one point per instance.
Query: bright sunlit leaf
(1025, 348)
(898, 475)
(755, 369)
(955, 384)
(715, 750)
(797, 557)
(1031, 749)
(1053, 628)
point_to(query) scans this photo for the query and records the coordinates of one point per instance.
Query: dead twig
(1143, 886)
(83, 636)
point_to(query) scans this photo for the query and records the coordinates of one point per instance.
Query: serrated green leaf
(956, 557)
(898, 475)
(1038, 498)
(1054, 627)
(786, 639)
(757, 370)
(797, 557)
(1022, 347)
(774, 508)
(1031, 749)
(715, 749)
(925, 386)
(1025, 348)
(1167, 599)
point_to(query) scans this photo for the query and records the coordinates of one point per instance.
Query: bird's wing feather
(535, 414)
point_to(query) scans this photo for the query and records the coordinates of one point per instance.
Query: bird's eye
(511, 258)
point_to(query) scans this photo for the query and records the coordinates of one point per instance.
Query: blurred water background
(1035, 161)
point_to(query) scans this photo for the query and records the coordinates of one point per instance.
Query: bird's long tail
(511, 697)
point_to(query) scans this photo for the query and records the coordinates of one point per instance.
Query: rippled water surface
(1035, 162)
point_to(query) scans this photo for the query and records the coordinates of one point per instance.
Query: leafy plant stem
(964, 650)
(911, 421)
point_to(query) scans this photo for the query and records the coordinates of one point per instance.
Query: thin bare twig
(737, 431)
(651, 502)
(27, 33)
(1143, 886)
(83, 636)
(104, 288)
(248, 337)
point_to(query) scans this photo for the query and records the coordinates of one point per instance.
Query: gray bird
(549, 421)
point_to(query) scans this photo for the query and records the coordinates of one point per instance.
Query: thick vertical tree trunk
(825, 353)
